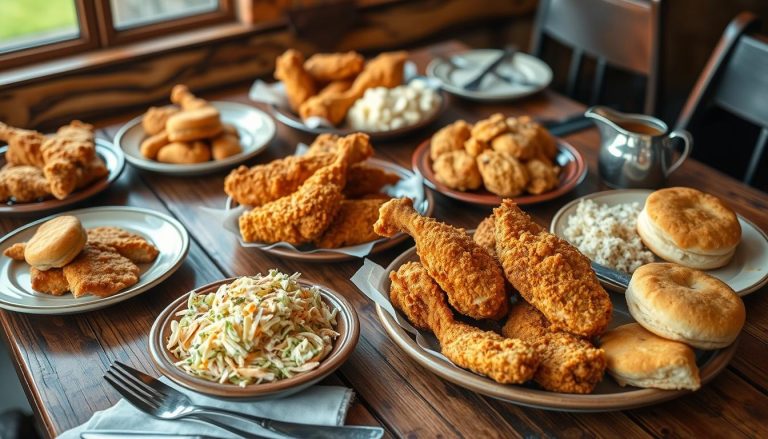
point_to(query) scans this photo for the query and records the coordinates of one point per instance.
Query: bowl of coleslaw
(254, 337)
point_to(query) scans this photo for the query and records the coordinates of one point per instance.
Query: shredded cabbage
(257, 329)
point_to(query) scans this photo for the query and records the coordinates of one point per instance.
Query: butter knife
(114, 434)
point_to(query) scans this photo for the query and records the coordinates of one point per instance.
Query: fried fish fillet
(550, 273)
(352, 225)
(327, 67)
(100, 270)
(127, 244)
(23, 184)
(51, 281)
(505, 360)
(569, 364)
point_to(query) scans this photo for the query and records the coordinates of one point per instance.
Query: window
(34, 30)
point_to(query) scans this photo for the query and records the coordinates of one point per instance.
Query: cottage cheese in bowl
(387, 109)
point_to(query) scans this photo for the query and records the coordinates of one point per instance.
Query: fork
(162, 401)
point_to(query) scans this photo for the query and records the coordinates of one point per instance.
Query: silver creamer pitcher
(635, 150)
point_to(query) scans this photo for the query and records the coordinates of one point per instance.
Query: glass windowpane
(134, 13)
(30, 23)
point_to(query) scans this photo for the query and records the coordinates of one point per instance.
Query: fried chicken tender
(325, 143)
(130, 245)
(363, 179)
(23, 184)
(327, 67)
(386, 70)
(101, 271)
(550, 273)
(449, 138)
(90, 172)
(299, 85)
(502, 174)
(16, 251)
(23, 146)
(544, 176)
(457, 170)
(155, 118)
(64, 153)
(261, 184)
(469, 275)
(51, 281)
(353, 224)
(181, 96)
(569, 364)
(485, 236)
(505, 360)
(305, 214)
(487, 129)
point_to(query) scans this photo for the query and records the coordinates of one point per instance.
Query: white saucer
(256, 129)
(465, 66)
(747, 271)
(167, 234)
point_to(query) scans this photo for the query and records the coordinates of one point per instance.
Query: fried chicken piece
(299, 85)
(155, 118)
(353, 224)
(475, 147)
(569, 364)
(502, 174)
(23, 146)
(386, 70)
(325, 143)
(90, 172)
(485, 236)
(457, 170)
(471, 277)
(181, 96)
(72, 147)
(261, 184)
(449, 138)
(51, 281)
(505, 360)
(544, 176)
(327, 67)
(130, 245)
(528, 139)
(487, 129)
(305, 214)
(101, 271)
(363, 179)
(550, 273)
(23, 184)
(16, 251)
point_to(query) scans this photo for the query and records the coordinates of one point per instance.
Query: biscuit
(151, 145)
(55, 243)
(689, 227)
(197, 124)
(184, 153)
(687, 305)
(639, 358)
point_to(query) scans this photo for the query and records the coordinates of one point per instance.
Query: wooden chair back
(618, 33)
(735, 79)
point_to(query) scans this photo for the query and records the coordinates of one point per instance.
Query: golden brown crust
(23, 184)
(352, 225)
(484, 235)
(449, 138)
(693, 220)
(544, 177)
(101, 271)
(327, 67)
(151, 145)
(502, 174)
(181, 96)
(365, 180)
(130, 245)
(299, 85)
(155, 118)
(50, 281)
(457, 170)
(225, 145)
(16, 251)
(198, 124)
(65, 154)
(487, 129)
(23, 146)
(184, 152)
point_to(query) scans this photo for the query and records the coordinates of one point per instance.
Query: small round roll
(679, 303)
(55, 243)
(198, 124)
(689, 227)
(640, 358)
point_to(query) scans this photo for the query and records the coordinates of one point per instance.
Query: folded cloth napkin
(318, 405)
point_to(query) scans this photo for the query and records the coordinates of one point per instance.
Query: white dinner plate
(747, 271)
(167, 234)
(256, 129)
(462, 68)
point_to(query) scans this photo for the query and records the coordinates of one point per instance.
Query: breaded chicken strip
(101, 271)
(550, 273)
(65, 154)
(128, 244)
(327, 67)
(299, 85)
(261, 184)
(471, 277)
(23, 146)
(569, 364)
(23, 184)
(505, 360)
(363, 179)
(305, 214)
(51, 281)
(353, 224)
(485, 235)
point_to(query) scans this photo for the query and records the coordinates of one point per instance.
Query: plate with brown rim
(424, 205)
(607, 396)
(114, 160)
(347, 325)
(573, 170)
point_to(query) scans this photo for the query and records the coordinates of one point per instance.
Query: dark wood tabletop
(61, 359)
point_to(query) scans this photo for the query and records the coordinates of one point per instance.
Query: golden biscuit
(198, 124)
(55, 243)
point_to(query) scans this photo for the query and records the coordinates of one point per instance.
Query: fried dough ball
(457, 170)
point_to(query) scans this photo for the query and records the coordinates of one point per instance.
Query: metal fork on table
(162, 401)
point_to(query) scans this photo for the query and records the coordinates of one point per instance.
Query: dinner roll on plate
(198, 124)
(689, 227)
(640, 358)
(55, 243)
(680, 303)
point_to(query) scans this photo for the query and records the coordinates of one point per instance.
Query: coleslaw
(256, 329)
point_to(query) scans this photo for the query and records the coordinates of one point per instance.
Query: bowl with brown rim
(347, 325)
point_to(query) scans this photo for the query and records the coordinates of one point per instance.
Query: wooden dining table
(61, 360)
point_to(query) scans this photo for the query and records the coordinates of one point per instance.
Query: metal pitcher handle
(687, 146)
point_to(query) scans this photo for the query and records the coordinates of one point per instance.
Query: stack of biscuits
(189, 132)
(65, 257)
(506, 155)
